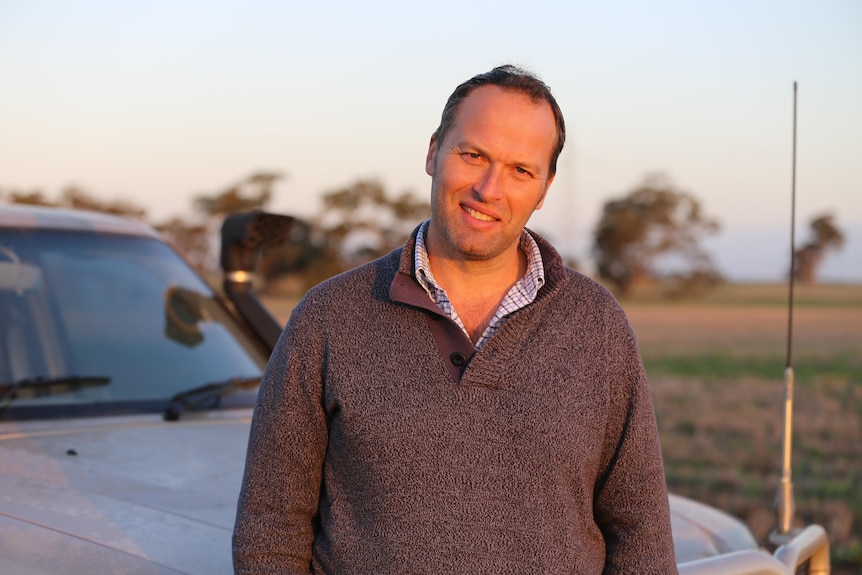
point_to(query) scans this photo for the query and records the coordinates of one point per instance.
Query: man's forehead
(495, 105)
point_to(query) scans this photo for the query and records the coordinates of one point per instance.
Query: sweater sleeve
(631, 503)
(278, 502)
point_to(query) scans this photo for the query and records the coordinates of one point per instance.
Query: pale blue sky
(157, 101)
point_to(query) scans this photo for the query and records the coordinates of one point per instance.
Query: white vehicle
(126, 393)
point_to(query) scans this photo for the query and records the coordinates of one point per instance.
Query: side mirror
(243, 236)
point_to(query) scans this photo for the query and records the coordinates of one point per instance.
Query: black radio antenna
(784, 501)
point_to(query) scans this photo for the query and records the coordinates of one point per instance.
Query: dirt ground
(699, 327)
(696, 327)
(721, 437)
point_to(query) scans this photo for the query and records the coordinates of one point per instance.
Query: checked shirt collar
(521, 294)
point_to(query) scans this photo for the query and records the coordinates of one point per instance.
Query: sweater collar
(405, 289)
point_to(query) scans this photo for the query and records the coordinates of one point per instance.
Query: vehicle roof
(21, 216)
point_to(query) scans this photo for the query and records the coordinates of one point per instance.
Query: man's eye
(521, 170)
(472, 155)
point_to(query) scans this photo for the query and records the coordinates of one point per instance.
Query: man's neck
(477, 287)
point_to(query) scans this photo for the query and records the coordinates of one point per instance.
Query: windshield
(123, 308)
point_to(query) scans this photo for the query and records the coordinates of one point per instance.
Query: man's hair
(507, 77)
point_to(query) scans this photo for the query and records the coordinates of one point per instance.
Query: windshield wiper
(51, 385)
(207, 396)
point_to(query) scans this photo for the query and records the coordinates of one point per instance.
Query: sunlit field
(716, 369)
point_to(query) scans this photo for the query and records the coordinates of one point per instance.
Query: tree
(362, 222)
(253, 192)
(825, 237)
(195, 238)
(78, 198)
(356, 224)
(192, 239)
(654, 233)
(28, 197)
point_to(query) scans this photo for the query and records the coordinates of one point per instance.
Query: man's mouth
(478, 215)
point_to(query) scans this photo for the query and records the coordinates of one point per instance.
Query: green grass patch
(844, 365)
(832, 488)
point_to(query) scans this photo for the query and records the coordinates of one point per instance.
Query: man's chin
(480, 250)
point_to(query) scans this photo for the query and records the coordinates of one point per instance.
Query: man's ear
(430, 159)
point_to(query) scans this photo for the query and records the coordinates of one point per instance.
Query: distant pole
(785, 504)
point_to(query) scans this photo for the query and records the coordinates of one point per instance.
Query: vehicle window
(126, 308)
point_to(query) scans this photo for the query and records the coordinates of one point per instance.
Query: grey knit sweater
(381, 443)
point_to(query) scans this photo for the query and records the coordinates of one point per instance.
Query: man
(465, 404)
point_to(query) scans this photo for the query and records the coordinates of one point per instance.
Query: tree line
(651, 235)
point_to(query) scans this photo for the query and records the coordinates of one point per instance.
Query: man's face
(489, 174)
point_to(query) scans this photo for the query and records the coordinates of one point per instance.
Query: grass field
(716, 369)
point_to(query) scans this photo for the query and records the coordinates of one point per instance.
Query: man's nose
(489, 187)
